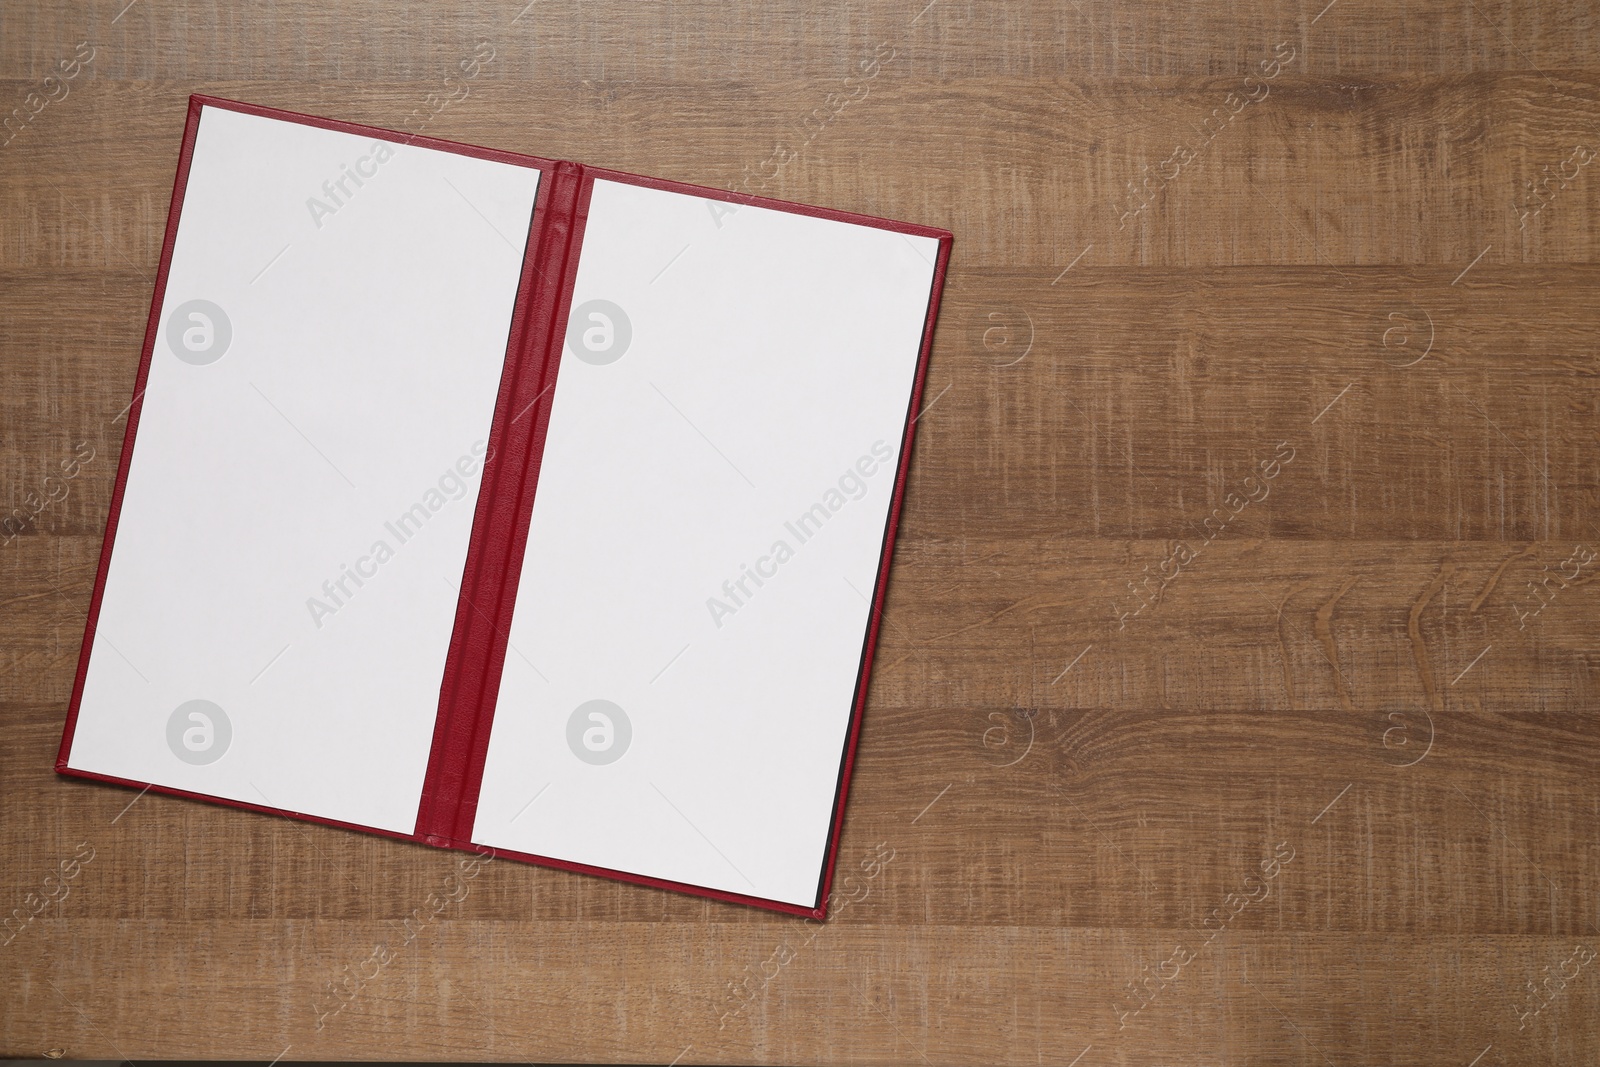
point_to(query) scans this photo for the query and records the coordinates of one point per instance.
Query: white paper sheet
(366, 292)
(741, 370)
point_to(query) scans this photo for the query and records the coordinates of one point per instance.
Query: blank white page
(727, 374)
(333, 395)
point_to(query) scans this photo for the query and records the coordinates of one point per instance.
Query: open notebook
(500, 503)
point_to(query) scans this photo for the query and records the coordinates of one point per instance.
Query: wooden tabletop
(1236, 697)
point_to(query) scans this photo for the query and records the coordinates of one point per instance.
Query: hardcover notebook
(494, 502)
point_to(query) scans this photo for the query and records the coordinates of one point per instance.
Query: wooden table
(1235, 702)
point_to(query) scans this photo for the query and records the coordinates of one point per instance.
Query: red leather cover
(506, 496)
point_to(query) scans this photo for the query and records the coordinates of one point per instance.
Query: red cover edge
(191, 130)
(732, 196)
(445, 767)
(881, 592)
(499, 155)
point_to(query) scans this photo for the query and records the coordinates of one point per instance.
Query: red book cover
(495, 502)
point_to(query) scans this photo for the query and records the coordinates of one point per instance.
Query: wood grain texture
(1098, 725)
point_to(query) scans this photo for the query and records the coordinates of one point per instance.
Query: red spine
(558, 268)
(499, 526)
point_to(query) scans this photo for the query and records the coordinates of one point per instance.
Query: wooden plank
(1124, 672)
